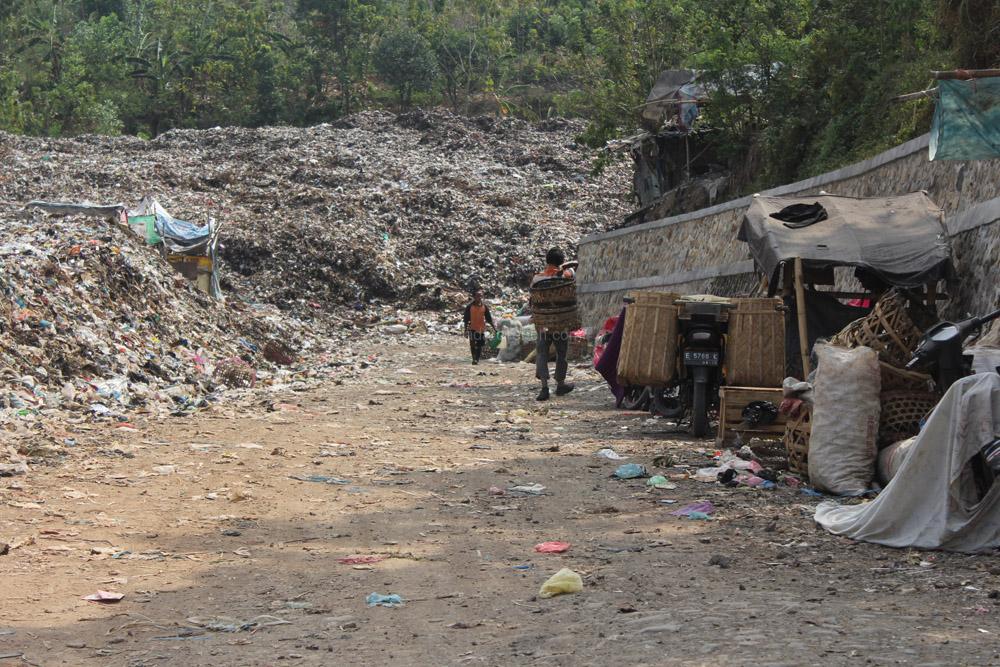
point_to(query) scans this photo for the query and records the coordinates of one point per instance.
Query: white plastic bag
(843, 440)
(511, 341)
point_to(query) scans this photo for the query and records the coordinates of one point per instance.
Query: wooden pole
(930, 92)
(966, 74)
(800, 310)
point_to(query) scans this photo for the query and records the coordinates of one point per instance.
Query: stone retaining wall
(698, 251)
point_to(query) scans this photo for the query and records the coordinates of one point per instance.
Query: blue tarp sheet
(185, 233)
(966, 120)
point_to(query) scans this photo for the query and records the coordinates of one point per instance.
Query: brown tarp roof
(901, 239)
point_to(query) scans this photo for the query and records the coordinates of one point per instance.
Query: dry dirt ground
(224, 530)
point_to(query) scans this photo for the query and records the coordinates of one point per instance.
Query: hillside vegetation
(807, 83)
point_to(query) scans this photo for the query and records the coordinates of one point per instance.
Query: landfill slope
(409, 209)
(94, 321)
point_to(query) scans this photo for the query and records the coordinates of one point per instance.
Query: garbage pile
(377, 208)
(93, 321)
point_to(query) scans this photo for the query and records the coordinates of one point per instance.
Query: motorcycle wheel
(699, 410)
(636, 398)
(666, 404)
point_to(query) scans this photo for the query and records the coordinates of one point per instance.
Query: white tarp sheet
(931, 502)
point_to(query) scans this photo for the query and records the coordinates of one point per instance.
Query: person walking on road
(554, 260)
(477, 316)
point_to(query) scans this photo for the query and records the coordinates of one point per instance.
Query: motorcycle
(940, 351)
(702, 328)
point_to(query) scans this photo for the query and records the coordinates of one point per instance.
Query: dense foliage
(804, 85)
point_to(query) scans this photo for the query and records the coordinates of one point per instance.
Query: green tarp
(966, 120)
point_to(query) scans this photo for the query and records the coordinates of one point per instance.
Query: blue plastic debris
(378, 600)
(323, 479)
(630, 471)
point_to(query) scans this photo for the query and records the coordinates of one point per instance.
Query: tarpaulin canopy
(966, 122)
(179, 236)
(901, 240)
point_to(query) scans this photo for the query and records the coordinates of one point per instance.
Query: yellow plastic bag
(563, 581)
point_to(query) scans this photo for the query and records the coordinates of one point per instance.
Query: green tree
(342, 32)
(404, 59)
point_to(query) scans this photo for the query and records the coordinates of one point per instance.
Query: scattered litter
(552, 547)
(322, 479)
(377, 600)
(701, 508)
(522, 568)
(610, 454)
(528, 489)
(360, 560)
(226, 624)
(562, 582)
(660, 482)
(630, 471)
(165, 470)
(106, 597)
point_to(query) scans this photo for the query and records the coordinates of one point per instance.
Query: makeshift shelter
(890, 241)
(189, 248)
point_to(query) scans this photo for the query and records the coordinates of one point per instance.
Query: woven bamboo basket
(888, 330)
(797, 432)
(234, 372)
(900, 379)
(278, 353)
(553, 304)
(901, 414)
(755, 346)
(648, 355)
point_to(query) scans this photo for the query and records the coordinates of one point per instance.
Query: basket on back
(553, 304)
(755, 346)
(888, 330)
(648, 355)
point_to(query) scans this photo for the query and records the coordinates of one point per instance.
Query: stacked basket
(553, 304)
(905, 397)
(648, 356)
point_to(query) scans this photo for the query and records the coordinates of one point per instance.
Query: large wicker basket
(553, 304)
(901, 414)
(648, 355)
(888, 330)
(900, 379)
(755, 346)
(797, 432)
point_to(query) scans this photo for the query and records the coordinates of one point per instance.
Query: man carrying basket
(555, 270)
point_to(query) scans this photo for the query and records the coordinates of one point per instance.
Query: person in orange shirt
(554, 259)
(477, 316)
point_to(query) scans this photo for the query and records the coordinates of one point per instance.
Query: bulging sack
(843, 441)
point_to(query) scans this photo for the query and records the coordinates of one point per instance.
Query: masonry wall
(698, 251)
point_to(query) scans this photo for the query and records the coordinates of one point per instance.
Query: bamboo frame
(965, 74)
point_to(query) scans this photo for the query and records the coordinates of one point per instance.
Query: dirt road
(205, 524)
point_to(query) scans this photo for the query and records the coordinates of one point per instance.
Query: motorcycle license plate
(698, 358)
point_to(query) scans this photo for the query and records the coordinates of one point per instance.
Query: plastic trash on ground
(630, 471)
(378, 600)
(561, 583)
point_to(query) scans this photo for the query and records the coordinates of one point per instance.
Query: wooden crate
(732, 401)
(648, 355)
(755, 346)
